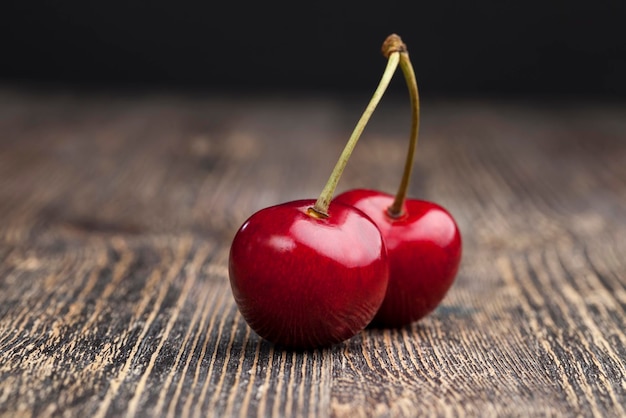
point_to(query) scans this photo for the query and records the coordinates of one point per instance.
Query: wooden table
(117, 213)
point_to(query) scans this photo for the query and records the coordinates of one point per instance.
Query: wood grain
(116, 215)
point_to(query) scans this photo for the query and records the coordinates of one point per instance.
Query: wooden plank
(117, 215)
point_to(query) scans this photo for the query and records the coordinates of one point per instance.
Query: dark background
(560, 49)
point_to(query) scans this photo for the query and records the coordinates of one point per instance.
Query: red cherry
(302, 281)
(424, 249)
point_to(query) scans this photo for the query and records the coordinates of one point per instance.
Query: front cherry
(424, 249)
(304, 281)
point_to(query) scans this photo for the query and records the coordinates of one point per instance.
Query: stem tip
(392, 44)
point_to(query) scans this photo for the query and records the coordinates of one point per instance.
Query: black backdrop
(490, 48)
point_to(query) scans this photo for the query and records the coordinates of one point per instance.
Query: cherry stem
(392, 51)
(396, 208)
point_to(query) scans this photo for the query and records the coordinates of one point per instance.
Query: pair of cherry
(309, 274)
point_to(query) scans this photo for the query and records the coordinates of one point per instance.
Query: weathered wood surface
(116, 216)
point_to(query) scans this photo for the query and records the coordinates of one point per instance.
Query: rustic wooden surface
(116, 215)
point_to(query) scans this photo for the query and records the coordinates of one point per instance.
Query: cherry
(424, 249)
(305, 281)
(422, 238)
(307, 273)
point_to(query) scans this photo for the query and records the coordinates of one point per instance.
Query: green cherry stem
(396, 208)
(392, 52)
